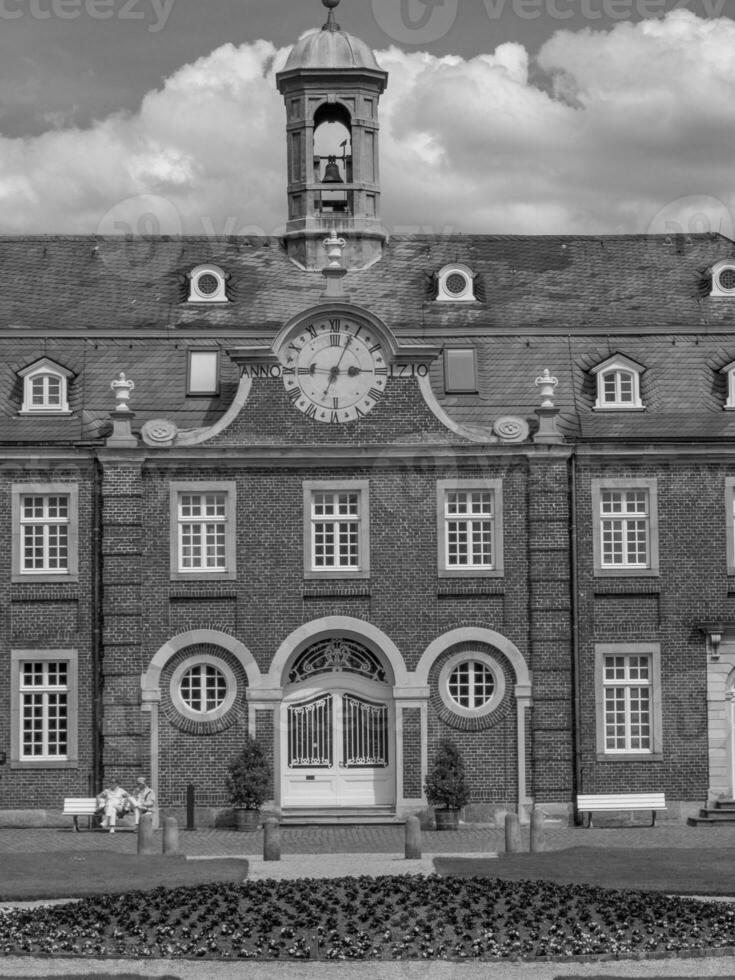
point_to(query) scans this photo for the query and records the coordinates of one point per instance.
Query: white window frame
(729, 370)
(46, 490)
(466, 657)
(652, 651)
(496, 567)
(17, 659)
(717, 269)
(618, 367)
(598, 487)
(205, 488)
(219, 295)
(445, 295)
(180, 704)
(45, 369)
(193, 391)
(359, 487)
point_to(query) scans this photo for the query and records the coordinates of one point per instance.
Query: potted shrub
(446, 786)
(248, 783)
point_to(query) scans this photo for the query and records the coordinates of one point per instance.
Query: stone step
(725, 804)
(712, 817)
(338, 816)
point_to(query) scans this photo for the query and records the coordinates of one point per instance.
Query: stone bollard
(538, 833)
(171, 837)
(413, 839)
(271, 840)
(145, 834)
(512, 833)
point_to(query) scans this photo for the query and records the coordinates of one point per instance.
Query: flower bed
(364, 918)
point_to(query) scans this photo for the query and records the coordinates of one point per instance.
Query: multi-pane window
(471, 684)
(468, 528)
(44, 709)
(46, 391)
(44, 533)
(618, 383)
(45, 388)
(202, 527)
(618, 388)
(624, 528)
(203, 688)
(335, 530)
(627, 685)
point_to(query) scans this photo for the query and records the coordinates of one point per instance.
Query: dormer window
(207, 285)
(723, 279)
(455, 284)
(729, 370)
(45, 388)
(618, 384)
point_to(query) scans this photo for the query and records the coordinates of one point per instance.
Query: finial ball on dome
(330, 4)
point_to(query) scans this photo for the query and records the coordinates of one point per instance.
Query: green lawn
(682, 871)
(74, 874)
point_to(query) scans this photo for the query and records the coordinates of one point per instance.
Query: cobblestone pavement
(474, 838)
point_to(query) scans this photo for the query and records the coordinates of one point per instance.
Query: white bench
(620, 801)
(80, 806)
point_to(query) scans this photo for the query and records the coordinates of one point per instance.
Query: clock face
(334, 369)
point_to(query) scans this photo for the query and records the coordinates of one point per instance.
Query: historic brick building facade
(350, 513)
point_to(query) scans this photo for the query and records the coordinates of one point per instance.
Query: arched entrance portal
(338, 728)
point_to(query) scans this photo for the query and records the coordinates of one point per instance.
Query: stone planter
(247, 819)
(446, 819)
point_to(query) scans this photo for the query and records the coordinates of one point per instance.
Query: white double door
(337, 743)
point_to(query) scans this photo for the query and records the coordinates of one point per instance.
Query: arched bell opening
(338, 728)
(332, 159)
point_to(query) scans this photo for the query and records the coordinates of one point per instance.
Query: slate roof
(98, 306)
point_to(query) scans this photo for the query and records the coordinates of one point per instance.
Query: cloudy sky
(501, 116)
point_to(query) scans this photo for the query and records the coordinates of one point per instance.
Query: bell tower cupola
(331, 84)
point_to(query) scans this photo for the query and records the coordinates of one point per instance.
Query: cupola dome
(331, 47)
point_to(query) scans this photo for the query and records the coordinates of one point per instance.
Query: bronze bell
(331, 172)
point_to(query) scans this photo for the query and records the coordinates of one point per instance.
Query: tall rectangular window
(628, 700)
(45, 531)
(336, 529)
(470, 527)
(627, 686)
(625, 516)
(44, 709)
(202, 530)
(624, 528)
(202, 523)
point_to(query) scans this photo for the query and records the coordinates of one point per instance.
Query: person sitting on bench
(143, 798)
(113, 803)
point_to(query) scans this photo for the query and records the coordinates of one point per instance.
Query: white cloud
(602, 133)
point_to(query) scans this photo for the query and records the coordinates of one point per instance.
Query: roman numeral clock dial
(334, 370)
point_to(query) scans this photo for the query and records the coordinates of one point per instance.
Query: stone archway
(150, 683)
(522, 688)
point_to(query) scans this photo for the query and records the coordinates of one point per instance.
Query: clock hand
(334, 371)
